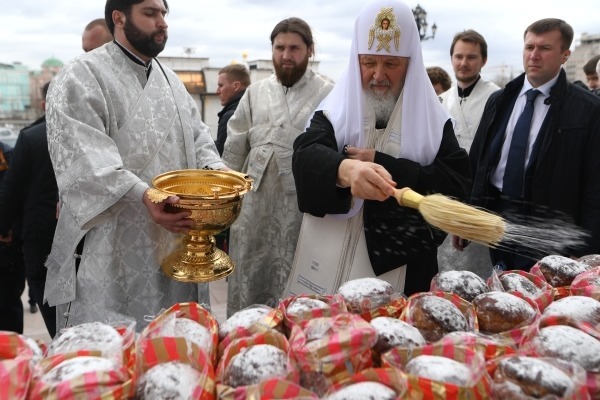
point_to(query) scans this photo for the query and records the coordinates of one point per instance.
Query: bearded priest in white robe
(116, 119)
(270, 115)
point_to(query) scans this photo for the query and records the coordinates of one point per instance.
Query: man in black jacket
(231, 86)
(12, 270)
(559, 171)
(30, 193)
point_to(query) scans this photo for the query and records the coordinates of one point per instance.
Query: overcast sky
(222, 30)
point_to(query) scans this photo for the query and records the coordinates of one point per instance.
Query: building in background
(15, 99)
(21, 92)
(37, 79)
(587, 47)
(201, 82)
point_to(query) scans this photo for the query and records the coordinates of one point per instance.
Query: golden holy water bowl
(215, 199)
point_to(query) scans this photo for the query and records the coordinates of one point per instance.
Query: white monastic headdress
(423, 117)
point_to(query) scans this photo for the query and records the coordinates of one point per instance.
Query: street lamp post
(421, 19)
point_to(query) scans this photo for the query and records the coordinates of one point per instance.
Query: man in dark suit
(557, 173)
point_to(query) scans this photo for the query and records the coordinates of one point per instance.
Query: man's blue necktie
(512, 185)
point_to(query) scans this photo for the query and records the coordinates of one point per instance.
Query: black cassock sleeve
(315, 165)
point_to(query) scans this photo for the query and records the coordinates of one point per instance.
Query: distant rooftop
(53, 63)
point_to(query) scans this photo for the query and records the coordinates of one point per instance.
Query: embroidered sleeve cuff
(136, 193)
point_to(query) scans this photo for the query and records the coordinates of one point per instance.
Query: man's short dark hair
(237, 73)
(295, 25)
(553, 24)
(439, 75)
(123, 6)
(470, 36)
(589, 67)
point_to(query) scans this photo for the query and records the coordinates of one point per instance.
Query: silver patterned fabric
(259, 142)
(110, 131)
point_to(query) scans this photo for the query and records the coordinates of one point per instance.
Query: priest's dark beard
(288, 77)
(143, 42)
(382, 105)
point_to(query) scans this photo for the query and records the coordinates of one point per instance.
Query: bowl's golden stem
(198, 260)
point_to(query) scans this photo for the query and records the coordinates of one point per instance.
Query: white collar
(545, 88)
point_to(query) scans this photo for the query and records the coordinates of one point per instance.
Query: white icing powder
(242, 319)
(194, 332)
(504, 304)
(580, 308)
(519, 283)
(530, 370)
(443, 312)
(563, 267)
(592, 260)
(256, 363)
(397, 332)
(570, 344)
(465, 284)
(364, 391)
(303, 304)
(172, 380)
(77, 366)
(440, 369)
(377, 290)
(595, 281)
(89, 336)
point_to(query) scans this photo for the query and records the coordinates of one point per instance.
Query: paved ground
(35, 328)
